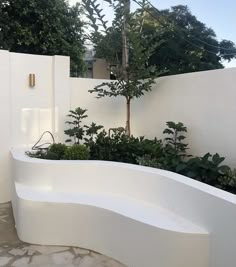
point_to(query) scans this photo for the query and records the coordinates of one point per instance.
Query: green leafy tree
(187, 45)
(43, 27)
(184, 44)
(128, 53)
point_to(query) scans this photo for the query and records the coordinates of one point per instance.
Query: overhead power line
(196, 38)
(184, 30)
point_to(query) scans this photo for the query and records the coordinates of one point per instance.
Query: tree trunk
(125, 50)
(125, 59)
(127, 128)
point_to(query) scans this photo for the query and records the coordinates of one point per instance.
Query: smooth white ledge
(131, 208)
(138, 215)
(20, 155)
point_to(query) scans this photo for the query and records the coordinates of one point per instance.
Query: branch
(94, 13)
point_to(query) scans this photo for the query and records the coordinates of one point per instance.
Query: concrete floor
(14, 253)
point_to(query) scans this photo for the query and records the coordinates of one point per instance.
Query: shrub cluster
(169, 153)
(62, 152)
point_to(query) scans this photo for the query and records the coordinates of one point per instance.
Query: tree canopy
(43, 27)
(188, 45)
(123, 45)
(184, 43)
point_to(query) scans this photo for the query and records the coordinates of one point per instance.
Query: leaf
(108, 1)
(217, 159)
(180, 167)
(224, 169)
(206, 156)
(168, 131)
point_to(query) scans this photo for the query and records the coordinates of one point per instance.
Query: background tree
(184, 44)
(188, 45)
(43, 27)
(129, 53)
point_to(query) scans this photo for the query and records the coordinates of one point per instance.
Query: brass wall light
(32, 80)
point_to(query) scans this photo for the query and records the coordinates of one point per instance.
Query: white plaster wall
(203, 101)
(25, 113)
(61, 95)
(109, 112)
(31, 107)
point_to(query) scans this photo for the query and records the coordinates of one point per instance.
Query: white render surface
(137, 215)
(27, 112)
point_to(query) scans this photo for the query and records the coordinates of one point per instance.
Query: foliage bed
(94, 143)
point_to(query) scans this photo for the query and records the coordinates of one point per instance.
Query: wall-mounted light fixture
(32, 80)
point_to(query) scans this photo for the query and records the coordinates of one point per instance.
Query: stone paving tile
(14, 253)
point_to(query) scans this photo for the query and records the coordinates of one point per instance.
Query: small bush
(207, 169)
(228, 181)
(58, 150)
(119, 147)
(77, 130)
(148, 161)
(76, 152)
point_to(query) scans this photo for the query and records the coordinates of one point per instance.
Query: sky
(220, 15)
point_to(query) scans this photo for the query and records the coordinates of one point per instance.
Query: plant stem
(127, 128)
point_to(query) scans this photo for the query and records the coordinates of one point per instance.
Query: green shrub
(173, 157)
(50, 155)
(119, 147)
(174, 150)
(207, 169)
(54, 152)
(148, 161)
(175, 138)
(77, 130)
(169, 153)
(58, 150)
(228, 181)
(76, 152)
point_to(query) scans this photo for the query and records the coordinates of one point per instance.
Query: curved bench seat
(139, 216)
(132, 208)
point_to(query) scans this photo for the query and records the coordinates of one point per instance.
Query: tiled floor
(14, 253)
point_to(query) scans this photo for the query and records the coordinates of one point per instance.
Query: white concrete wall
(61, 95)
(109, 112)
(203, 101)
(31, 107)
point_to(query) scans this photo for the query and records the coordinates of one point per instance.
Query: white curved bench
(142, 217)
